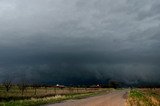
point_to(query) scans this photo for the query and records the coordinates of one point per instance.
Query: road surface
(116, 98)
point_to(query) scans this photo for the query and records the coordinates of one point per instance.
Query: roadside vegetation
(144, 97)
(35, 95)
(46, 100)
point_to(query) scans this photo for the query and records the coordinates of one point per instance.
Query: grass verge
(141, 97)
(47, 100)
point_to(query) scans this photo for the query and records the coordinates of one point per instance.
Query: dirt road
(116, 98)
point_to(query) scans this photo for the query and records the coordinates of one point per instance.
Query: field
(39, 95)
(34, 96)
(144, 97)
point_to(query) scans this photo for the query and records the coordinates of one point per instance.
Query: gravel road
(116, 98)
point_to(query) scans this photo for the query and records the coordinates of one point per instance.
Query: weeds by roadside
(47, 100)
(143, 97)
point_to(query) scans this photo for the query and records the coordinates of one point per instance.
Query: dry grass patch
(144, 97)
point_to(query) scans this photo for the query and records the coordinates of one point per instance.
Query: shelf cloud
(80, 41)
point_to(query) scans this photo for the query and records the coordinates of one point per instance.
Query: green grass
(47, 100)
(142, 97)
(136, 94)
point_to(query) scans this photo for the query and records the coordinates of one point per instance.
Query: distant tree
(114, 84)
(85, 88)
(22, 86)
(55, 90)
(77, 88)
(70, 89)
(7, 84)
(46, 87)
(35, 86)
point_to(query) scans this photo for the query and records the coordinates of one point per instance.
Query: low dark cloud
(80, 42)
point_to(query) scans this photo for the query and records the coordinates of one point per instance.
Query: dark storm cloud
(79, 41)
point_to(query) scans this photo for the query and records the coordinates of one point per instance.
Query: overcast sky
(79, 41)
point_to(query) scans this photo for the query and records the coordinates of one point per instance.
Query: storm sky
(80, 41)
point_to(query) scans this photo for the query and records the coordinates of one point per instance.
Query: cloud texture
(80, 41)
